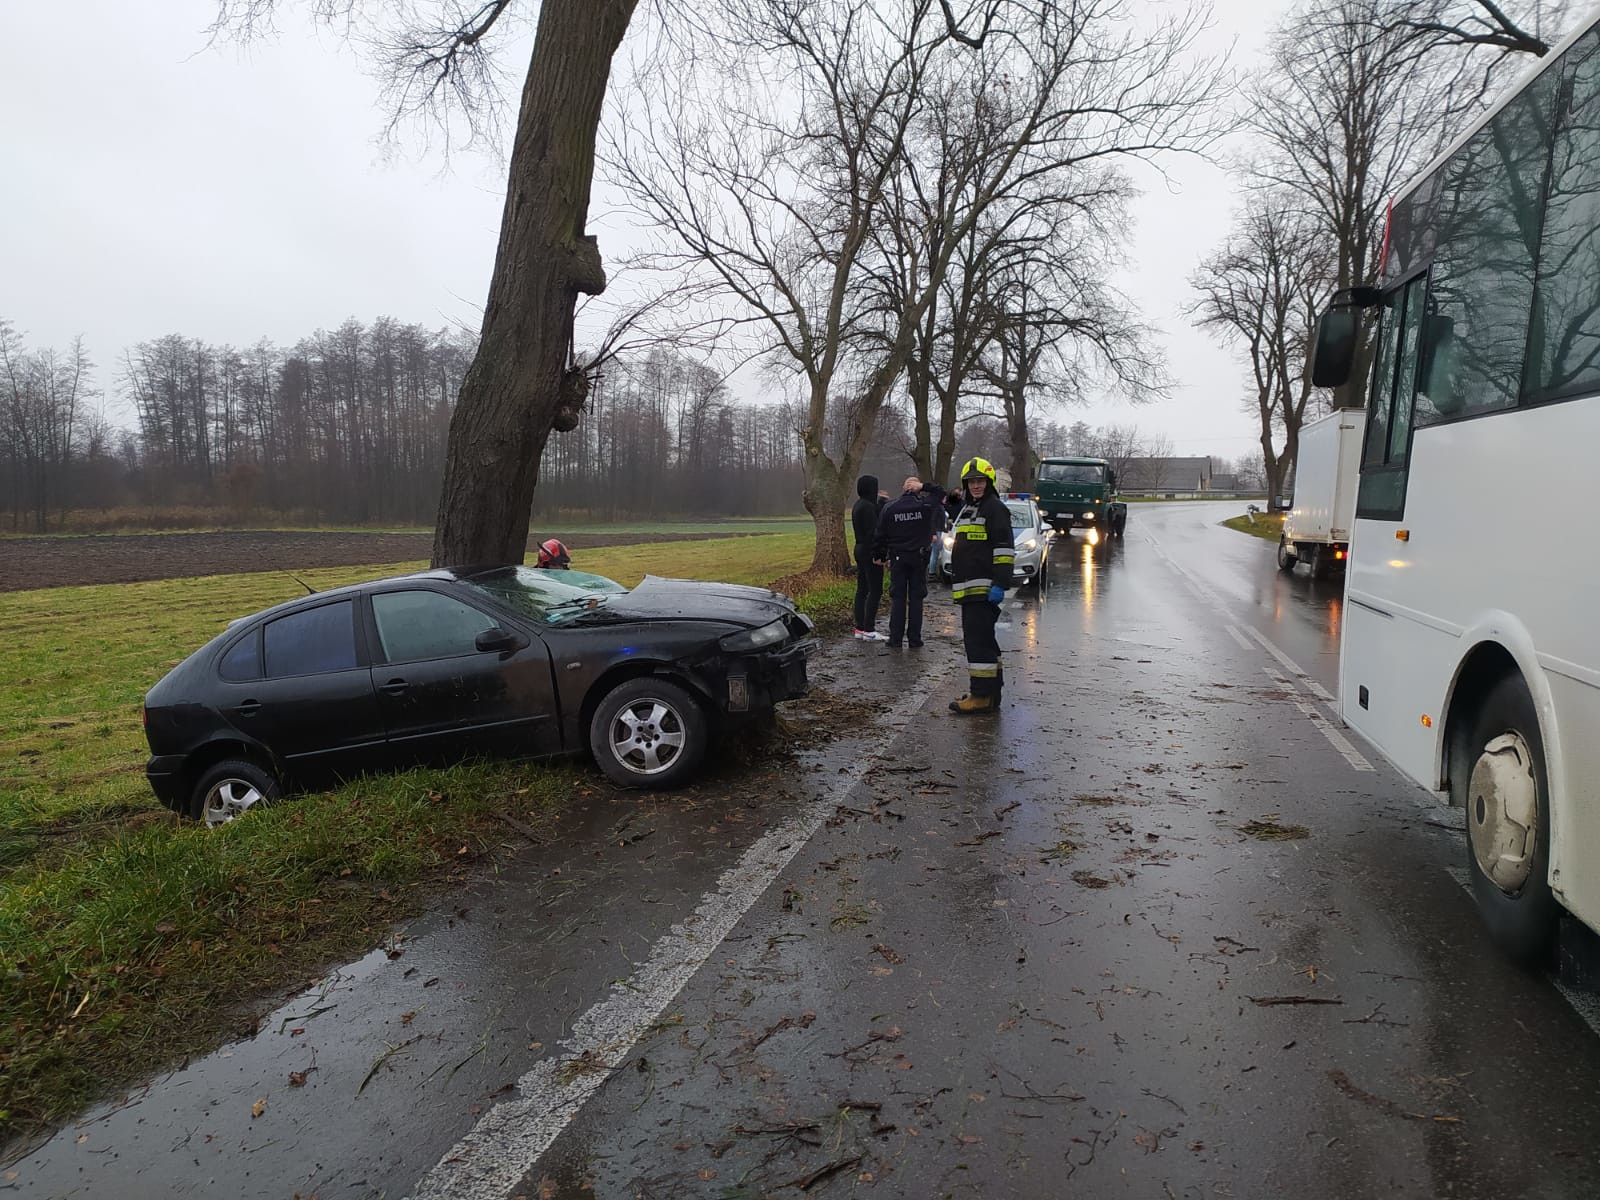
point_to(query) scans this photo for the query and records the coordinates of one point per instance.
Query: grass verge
(1262, 525)
(134, 949)
(128, 938)
(829, 600)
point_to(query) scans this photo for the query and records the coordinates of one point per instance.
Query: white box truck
(1317, 529)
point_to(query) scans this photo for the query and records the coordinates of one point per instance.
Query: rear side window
(242, 662)
(312, 642)
(413, 626)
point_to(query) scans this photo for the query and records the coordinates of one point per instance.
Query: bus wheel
(1286, 558)
(1506, 795)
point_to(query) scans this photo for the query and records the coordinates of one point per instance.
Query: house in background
(1169, 478)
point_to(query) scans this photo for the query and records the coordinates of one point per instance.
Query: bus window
(1566, 337)
(1483, 268)
(1382, 492)
(1382, 381)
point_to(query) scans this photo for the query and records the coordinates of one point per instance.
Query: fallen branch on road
(1342, 1082)
(1267, 1001)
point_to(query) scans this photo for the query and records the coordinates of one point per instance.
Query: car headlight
(1028, 543)
(747, 640)
(949, 540)
(1089, 515)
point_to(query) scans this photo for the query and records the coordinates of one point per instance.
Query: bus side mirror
(1335, 351)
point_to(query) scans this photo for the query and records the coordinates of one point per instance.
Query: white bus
(1471, 652)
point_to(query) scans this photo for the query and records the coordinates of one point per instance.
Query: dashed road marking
(1311, 685)
(1244, 642)
(509, 1138)
(1335, 739)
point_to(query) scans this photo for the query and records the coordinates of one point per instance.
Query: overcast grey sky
(153, 185)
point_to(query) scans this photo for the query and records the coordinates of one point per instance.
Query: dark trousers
(983, 651)
(869, 591)
(908, 584)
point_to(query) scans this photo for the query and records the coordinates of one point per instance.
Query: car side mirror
(497, 641)
(1111, 480)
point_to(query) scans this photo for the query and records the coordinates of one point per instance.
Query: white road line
(1311, 685)
(509, 1138)
(1335, 739)
(1244, 642)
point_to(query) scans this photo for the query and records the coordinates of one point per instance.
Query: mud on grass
(115, 957)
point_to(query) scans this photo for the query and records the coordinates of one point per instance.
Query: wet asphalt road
(1028, 956)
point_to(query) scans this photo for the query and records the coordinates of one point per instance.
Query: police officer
(905, 535)
(980, 563)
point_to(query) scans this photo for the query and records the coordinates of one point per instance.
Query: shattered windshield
(551, 597)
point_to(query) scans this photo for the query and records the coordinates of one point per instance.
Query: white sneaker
(868, 635)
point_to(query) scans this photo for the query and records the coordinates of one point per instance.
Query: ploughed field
(45, 562)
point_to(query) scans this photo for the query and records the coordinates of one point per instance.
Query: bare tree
(523, 382)
(1501, 29)
(773, 192)
(1262, 291)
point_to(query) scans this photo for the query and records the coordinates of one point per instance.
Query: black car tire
(1521, 918)
(665, 714)
(230, 789)
(1286, 556)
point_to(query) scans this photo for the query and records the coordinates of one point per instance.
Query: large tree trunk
(518, 388)
(1021, 444)
(825, 500)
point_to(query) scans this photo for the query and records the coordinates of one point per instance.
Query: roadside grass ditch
(1262, 525)
(128, 936)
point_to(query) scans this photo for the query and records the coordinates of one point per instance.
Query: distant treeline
(350, 426)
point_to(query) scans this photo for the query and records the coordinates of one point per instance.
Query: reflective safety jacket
(983, 551)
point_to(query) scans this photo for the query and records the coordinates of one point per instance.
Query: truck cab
(1080, 493)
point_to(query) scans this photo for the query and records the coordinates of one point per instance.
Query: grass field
(119, 924)
(1261, 525)
(135, 521)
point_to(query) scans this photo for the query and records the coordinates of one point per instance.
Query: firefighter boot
(968, 705)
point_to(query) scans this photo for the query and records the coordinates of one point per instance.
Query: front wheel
(648, 733)
(1286, 557)
(1506, 795)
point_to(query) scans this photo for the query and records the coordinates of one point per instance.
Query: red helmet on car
(553, 556)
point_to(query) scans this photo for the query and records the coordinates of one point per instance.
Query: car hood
(658, 599)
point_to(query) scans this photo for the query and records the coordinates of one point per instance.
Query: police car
(1028, 531)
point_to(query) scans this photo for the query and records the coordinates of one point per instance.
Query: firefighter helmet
(978, 467)
(553, 556)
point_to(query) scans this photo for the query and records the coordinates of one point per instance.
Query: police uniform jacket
(983, 552)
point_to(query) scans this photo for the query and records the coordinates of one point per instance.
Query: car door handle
(249, 708)
(394, 687)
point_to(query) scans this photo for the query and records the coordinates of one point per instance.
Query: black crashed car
(444, 665)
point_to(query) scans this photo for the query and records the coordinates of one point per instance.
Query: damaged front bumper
(755, 682)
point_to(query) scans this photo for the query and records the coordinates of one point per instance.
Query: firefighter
(553, 556)
(980, 565)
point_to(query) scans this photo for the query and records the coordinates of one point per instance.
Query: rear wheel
(648, 733)
(230, 789)
(1505, 791)
(1286, 556)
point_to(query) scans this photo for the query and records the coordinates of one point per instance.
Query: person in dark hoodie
(869, 575)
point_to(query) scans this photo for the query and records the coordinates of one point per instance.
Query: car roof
(441, 574)
(1086, 462)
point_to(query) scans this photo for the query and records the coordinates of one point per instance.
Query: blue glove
(996, 594)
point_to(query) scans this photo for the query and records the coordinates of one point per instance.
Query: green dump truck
(1080, 493)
